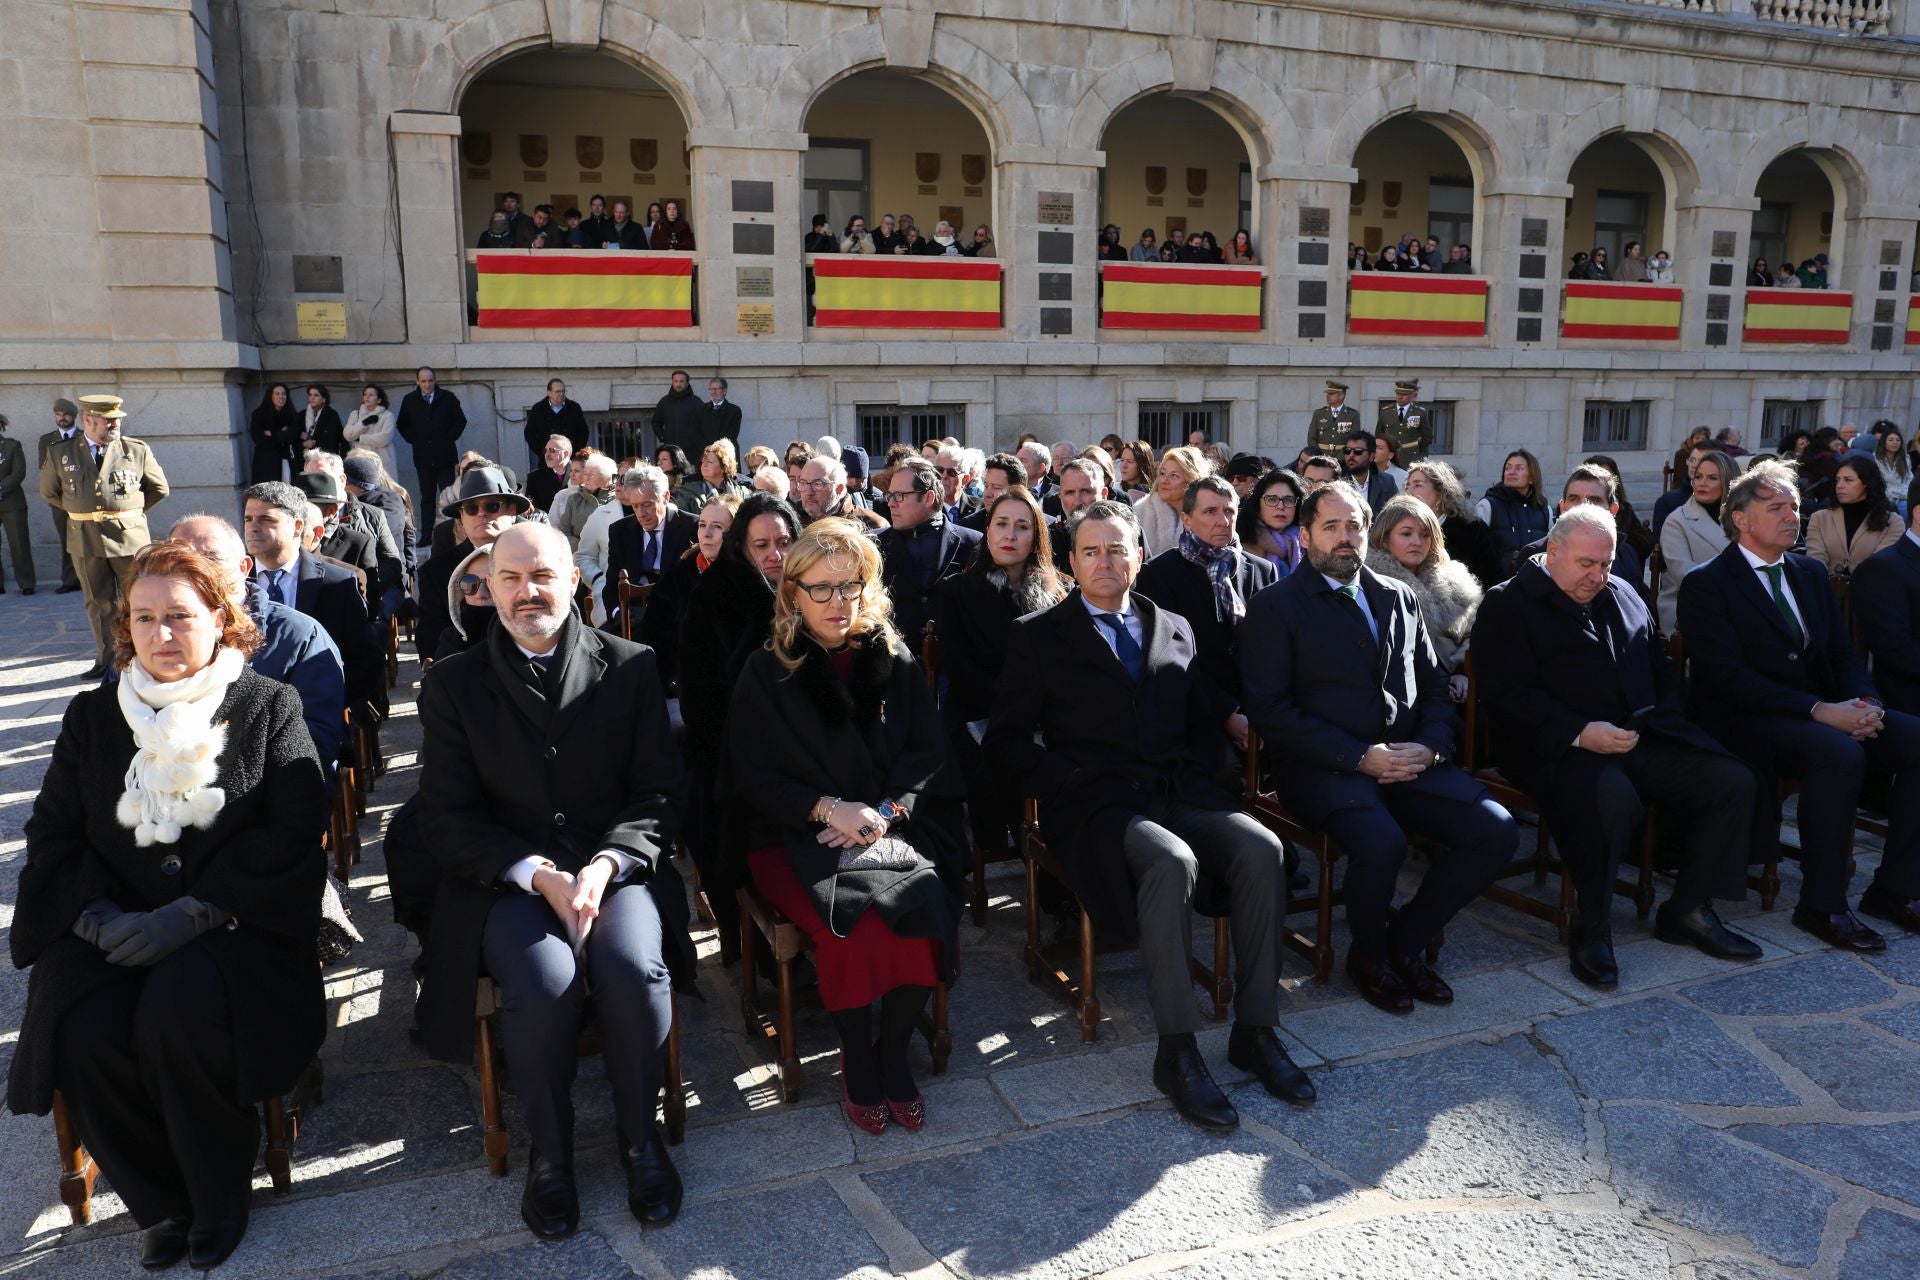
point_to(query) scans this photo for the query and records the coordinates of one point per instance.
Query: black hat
(485, 482)
(854, 459)
(1247, 466)
(321, 488)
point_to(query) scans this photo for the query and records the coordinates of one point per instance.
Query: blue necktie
(273, 577)
(1125, 647)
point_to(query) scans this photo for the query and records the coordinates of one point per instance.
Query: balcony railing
(1797, 315)
(1388, 304)
(867, 292)
(1183, 297)
(1862, 17)
(1618, 311)
(528, 289)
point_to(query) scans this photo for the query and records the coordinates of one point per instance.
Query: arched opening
(560, 128)
(1623, 194)
(1802, 208)
(1416, 180)
(1177, 166)
(886, 141)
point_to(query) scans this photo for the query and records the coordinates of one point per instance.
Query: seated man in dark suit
(1597, 487)
(339, 540)
(922, 547)
(1586, 719)
(1886, 605)
(1128, 742)
(1208, 580)
(275, 531)
(647, 542)
(1775, 676)
(548, 790)
(1339, 678)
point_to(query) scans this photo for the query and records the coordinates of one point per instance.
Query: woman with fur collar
(1406, 544)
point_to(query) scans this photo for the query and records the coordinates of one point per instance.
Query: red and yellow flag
(1418, 306)
(1797, 315)
(555, 288)
(1913, 320)
(1172, 296)
(1622, 312)
(906, 293)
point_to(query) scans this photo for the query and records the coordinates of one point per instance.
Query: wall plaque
(1313, 324)
(589, 175)
(1532, 300)
(973, 193)
(1526, 329)
(1716, 335)
(1533, 233)
(1719, 306)
(929, 190)
(533, 175)
(1890, 254)
(320, 321)
(1313, 293)
(1055, 247)
(1056, 320)
(1720, 275)
(1313, 254)
(1533, 266)
(1056, 286)
(751, 196)
(753, 282)
(1315, 220)
(1055, 207)
(754, 317)
(1883, 310)
(751, 239)
(317, 273)
(1724, 243)
(1889, 281)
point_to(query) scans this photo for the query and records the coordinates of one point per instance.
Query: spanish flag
(1418, 306)
(1797, 315)
(1621, 311)
(521, 289)
(906, 293)
(1913, 320)
(1171, 296)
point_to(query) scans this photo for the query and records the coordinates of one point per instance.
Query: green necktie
(1774, 574)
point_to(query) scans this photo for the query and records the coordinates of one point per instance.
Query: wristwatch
(890, 811)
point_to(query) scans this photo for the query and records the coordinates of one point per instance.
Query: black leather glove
(148, 937)
(97, 916)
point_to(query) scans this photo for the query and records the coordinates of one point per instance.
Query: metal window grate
(1165, 423)
(885, 425)
(1780, 418)
(1615, 425)
(1440, 419)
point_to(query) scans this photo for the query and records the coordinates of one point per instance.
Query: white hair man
(590, 552)
(647, 542)
(573, 510)
(823, 493)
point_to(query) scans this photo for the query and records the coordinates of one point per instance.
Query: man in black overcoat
(1586, 720)
(1339, 678)
(556, 415)
(1775, 676)
(430, 419)
(1886, 605)
(1100, 715)
(548, 790)
(922, 547)
(647, 541)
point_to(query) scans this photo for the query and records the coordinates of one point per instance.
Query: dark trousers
(1166, 850)
(14, 525)
(1830, 767)
(68, 578)
(1596, 805)
(543, 993)
(146, 1065)
(1479, 838)
(430, 481)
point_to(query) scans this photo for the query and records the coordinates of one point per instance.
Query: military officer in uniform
(66, 425)
(1407, 423)
(1332, 421)
(105, 483)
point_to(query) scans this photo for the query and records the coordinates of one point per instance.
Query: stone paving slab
(1826, 983)
(1860, 1070)
(1901, 960)
(1480, 1000)
(1661, 1049)
(1880, 1157)
(1886, 1247)
(1648, 964)
(800, 1233)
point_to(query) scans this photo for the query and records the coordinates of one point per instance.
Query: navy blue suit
(1754, 686)
(331, 597)
(1886, 605)
(626, 546)
(1319, 690)
(908, 584)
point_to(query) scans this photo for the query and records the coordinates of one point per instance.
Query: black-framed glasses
(1356, 452)
(822, 592)
(816, 484)
(1279, 501)
(948, 471)
(899, 495)
(485, 506)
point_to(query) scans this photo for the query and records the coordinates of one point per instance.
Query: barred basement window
(885, 425)
(1439, 421)
(1165, 423)
(1781, 418)
(1615, 425)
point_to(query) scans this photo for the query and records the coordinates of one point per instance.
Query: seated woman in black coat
(975, 609)
(169, 910)
(667, 607)
(851, 814)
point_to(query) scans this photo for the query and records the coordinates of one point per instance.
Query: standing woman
(1240, 253)
(667, 607)
(1861, 521)
(1405, 543)
(672, 232)
(1468, 540)
(1694, 534)
(851, 815)
(322, 428)
(370, 426)
(275, 430)
(169, 911)
(1266, 522)
(1515, 512)
(1159, 511)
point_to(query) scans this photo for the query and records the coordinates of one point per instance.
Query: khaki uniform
(1413, 437)
(68, 578)
(106, 510)
(1327, 430)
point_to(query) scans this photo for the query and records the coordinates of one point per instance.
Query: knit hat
(361, 473)
(854, 459)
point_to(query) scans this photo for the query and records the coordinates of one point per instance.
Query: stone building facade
(187, 173)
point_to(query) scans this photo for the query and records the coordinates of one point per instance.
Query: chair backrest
(630, 595)
(930, 655)
(1250, 779)
(1474, 725)
(1656, 568)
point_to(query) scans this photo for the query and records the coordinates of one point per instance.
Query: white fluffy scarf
(176, 749)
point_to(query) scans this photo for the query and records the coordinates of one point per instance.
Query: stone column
(1048, 230)
(1875, 263)
(746, 205)
(1520, 246)
(1302, 239)
(432, 261)
(1710, 264)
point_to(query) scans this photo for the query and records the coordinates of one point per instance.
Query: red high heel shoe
(871, 1117)
(909, 1115)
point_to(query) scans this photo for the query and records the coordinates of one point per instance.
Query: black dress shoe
(1181, 1073)
(1590, 953)
(1377, 981)
(1840, 929)
(64, 590)
(550, 1204)
(164, 1243)
(1882, 905)
(1258, 1049)
(1423, 982)
(26, 591)
(1703, 928)
(209, 1246)
(654, 1189)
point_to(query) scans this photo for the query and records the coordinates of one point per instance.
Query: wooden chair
(343, 840)
(393, 652)
(486, 1058)
(977, 899)
(629, 595)
(1656, 569)
(78, 1171)
(1082, 994)
(788, 942)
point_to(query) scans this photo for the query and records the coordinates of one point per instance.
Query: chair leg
(941, 1043)
(279, 1157)
(1222, 975)
(1643, 894)
(979, 887)
(77, 1170)
(1323, 941)
(337, 837)
(1036, 967)
(749, 974)
(789, 1036)
(1089, 978)
(675, 1108)
(494, 1129)
(1769, 885)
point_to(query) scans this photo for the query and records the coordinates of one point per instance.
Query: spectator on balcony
(1786, 277)
(1660, 270)
(887, 239)
(1578, 269)
(1813, 272)
(908, 224)
(623, 232)
(1433, 257)
(674, 232)
(570, 228)
(1240, 253)
(1598, 267)
(983, 245)
(911, 244)
(1460, 260)
(498, 233)
(1146, 249)
(1357, 259)
(656, 216)
(1389, 259)
(820, 239)
(1633, 267)
(1209, 251)
(539, 232)
(1760, 276)
(1111, 250)
(510, 205)
(1177, 241)
(1412, 256)
(856, 239)
(1169, 253)
(597, 228)
(944, 243)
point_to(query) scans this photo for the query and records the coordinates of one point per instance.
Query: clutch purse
(888, 853)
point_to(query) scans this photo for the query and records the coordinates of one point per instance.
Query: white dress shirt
(1129, 618)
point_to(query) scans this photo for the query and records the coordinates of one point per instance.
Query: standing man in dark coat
(922, 547)
(430, 420)
(1775, 676)
(1886, 605)
(1340, 680)
(65, 427)
(1101, 716)
(1587, 721)
(13, 510)
(557, 415)
(720, 416)
(680, 418)
(548, 792)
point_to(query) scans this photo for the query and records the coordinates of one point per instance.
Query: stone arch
(1674, 159)
(1818, 140)
(1469, 118)
(1244, 99)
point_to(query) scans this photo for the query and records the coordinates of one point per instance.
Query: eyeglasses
(1360, 452)
(1279, 501)
(822, 592)
(816, 484)
(900, 495)
(948, 471)
(472, 584)
(485, 506)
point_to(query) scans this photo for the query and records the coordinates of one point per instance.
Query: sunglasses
(472, 584)
(1355, 453)
(486, 506)
(822, 592)
(949, 471)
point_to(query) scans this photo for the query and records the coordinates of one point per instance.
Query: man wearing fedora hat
(1407, 423)
(1331, 421)
(13, 510)
(105, 483)
(339, 539)
(66, 425)
(487, 505)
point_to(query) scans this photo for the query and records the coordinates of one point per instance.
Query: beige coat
(1688, 539)
(1827, 540)
(123, 488)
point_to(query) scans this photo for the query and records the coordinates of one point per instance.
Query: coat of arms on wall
(1359, 196)
(533, 150)
(1390, 194)
(477, 146)
(644, 152)
(1156, 180)
(973, 170)
(589, 150)
(926, 166)
(1196, 182)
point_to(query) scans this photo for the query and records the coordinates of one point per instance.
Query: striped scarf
(1219, 562)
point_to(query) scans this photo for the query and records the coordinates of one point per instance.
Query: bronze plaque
(926, 166)
(589, 150)
(1196, 204)
(1154, 202)
(753, 282)
(561, 202)
(754, 317)
(1371, 237)
(590, 175)
(927, 190)
(1156, 179)
(1196, 182)
(1359, 196)
(973, 170)
(533, 175)
(1316, 220)
(1390, 194)
(973, 193)
(477, 173)
(1055, 207)
(477, 146)
(644, 152)
(533, 150)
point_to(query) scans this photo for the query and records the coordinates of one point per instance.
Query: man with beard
(548, 790)
(823, 493)
(681, 418)
(1339, 677)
